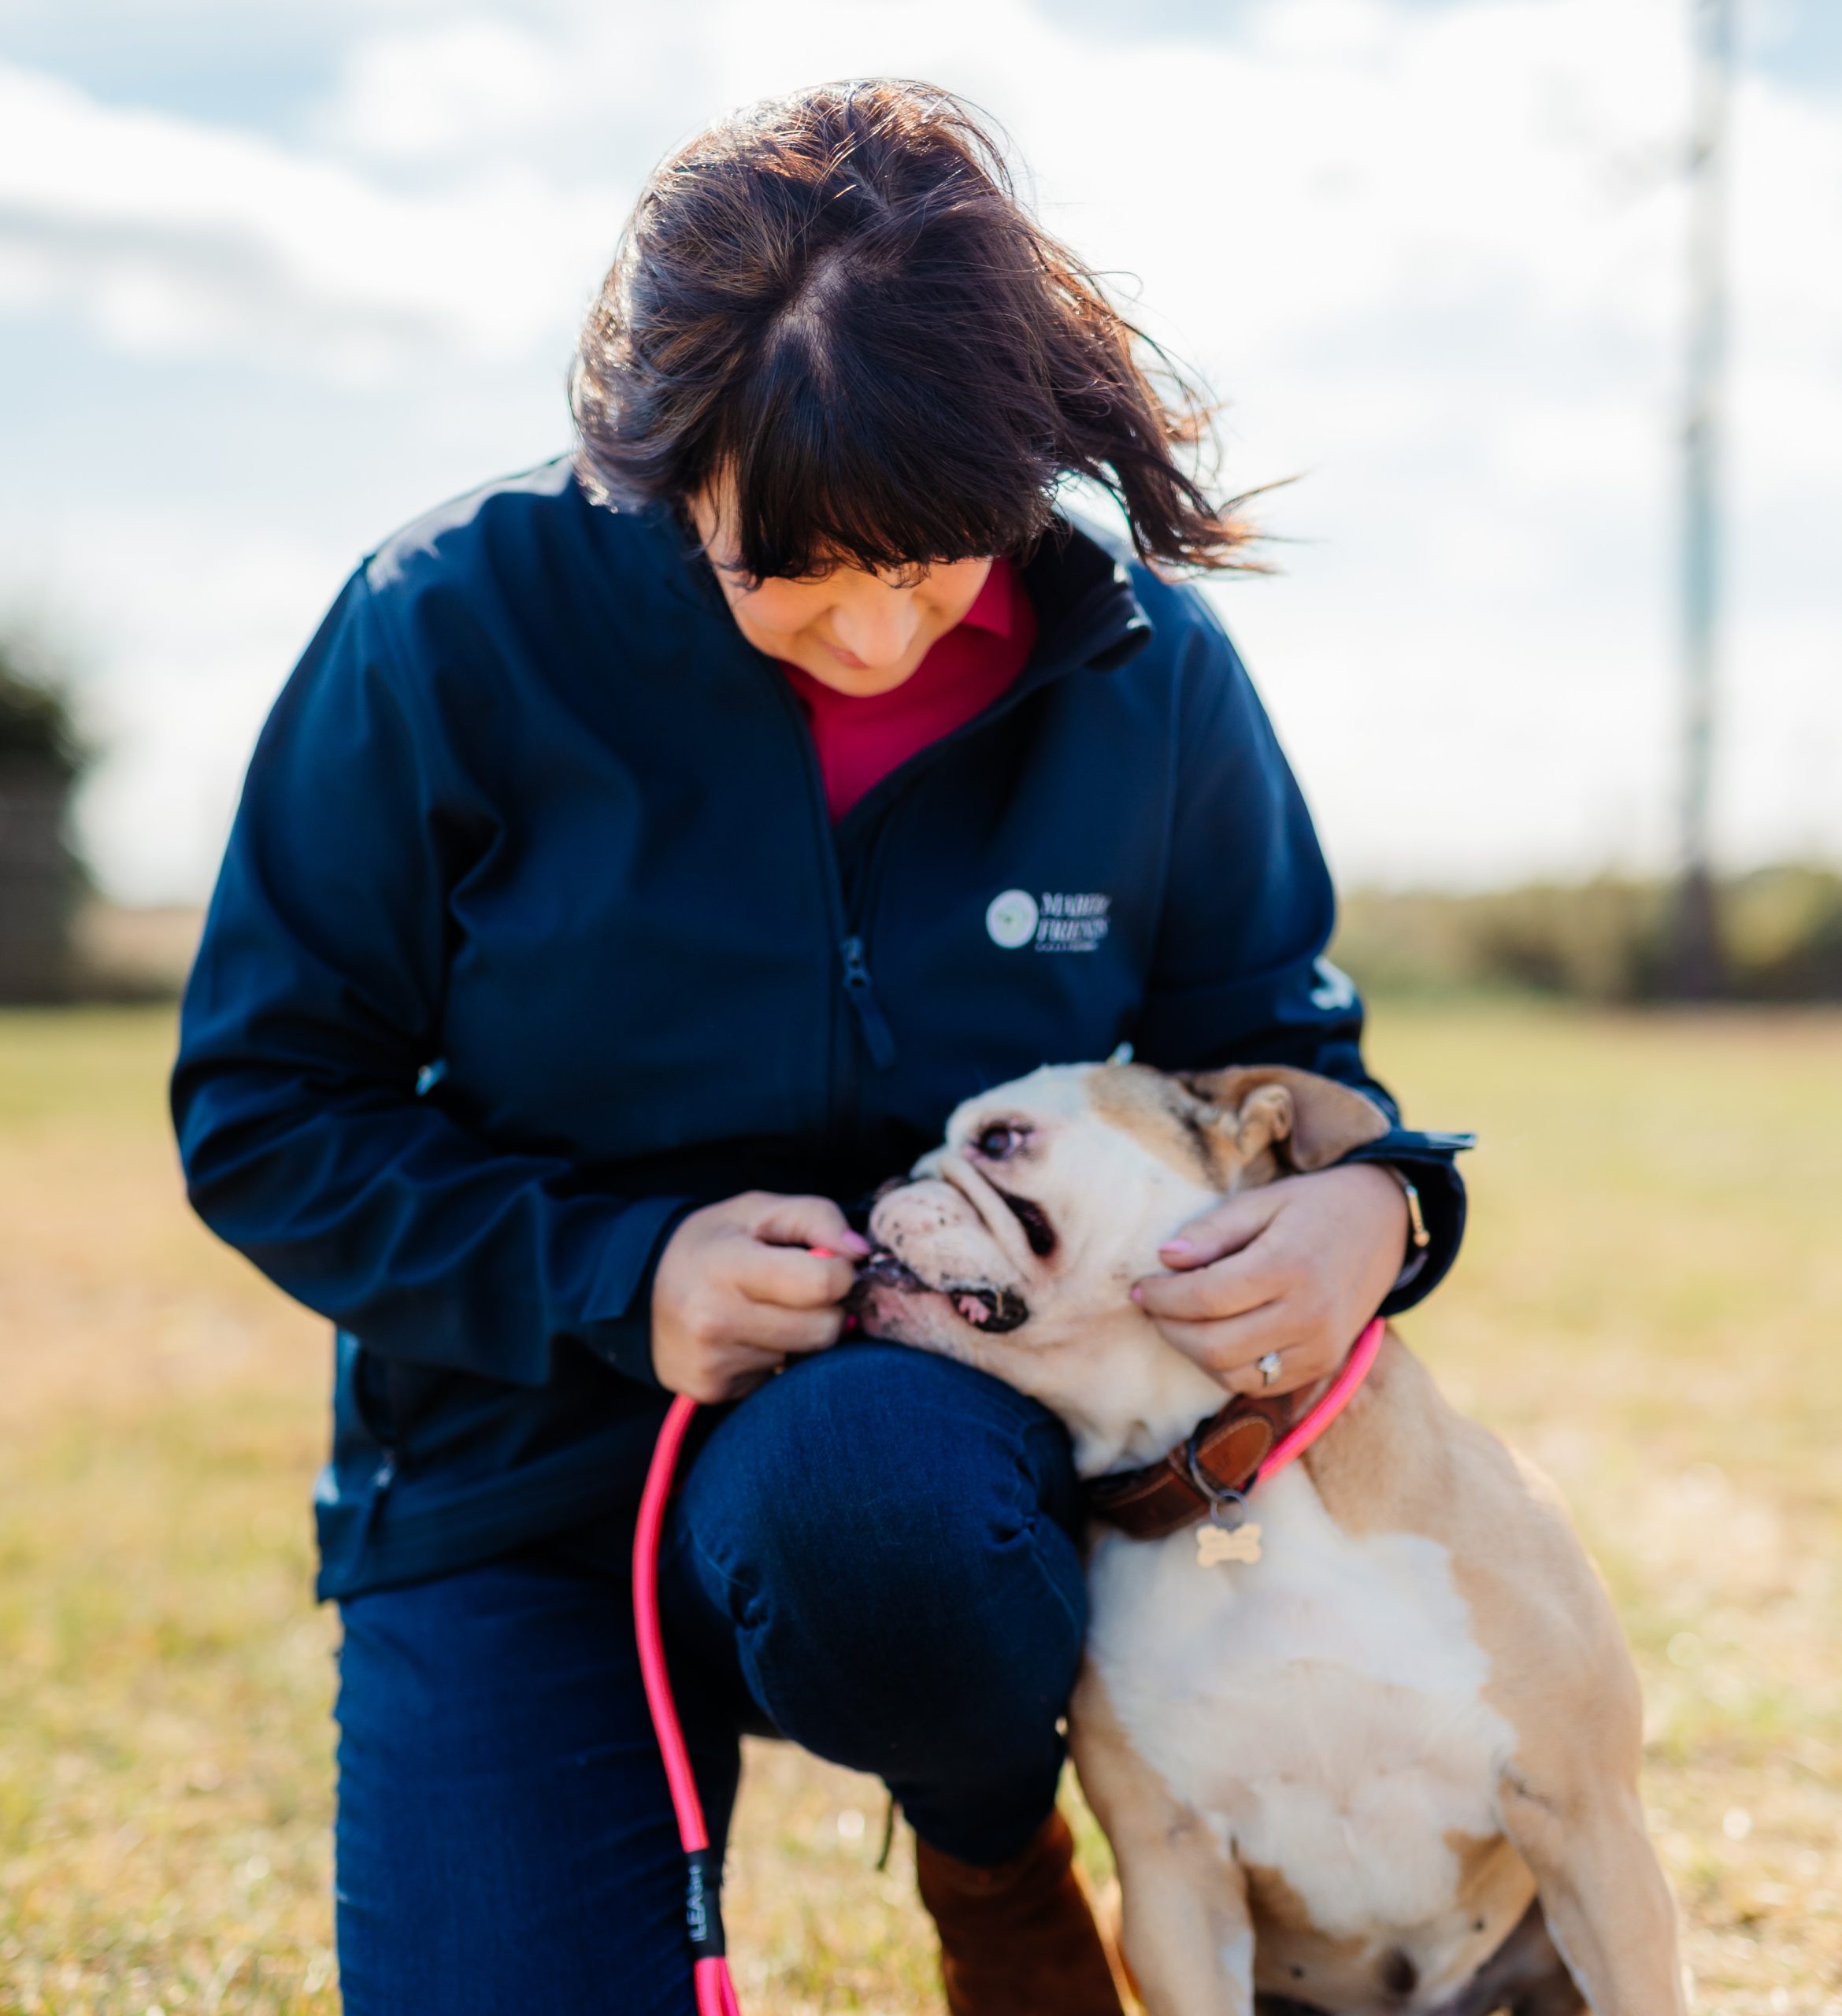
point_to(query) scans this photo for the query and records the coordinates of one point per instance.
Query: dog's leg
(1524, 1975)
(1562, 1677)
(1608, 1909)
(1185, 1934)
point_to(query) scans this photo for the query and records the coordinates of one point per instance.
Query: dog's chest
(1322, 1708)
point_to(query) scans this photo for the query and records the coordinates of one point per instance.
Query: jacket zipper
(860, 992)
(841, 1070)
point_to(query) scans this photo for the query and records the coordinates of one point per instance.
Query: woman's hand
(1296, 1267)
(735, 1291)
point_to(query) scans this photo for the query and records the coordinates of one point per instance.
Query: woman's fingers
(737, 1291)
(1231, 1350)
(755, 1345)
(793, 1277)
(1232, 1346)
(1239, 1291)
(1225, 1227)
(807, 1222)
(712, 1374)
(1232, 1287)
(767, 1327)
(1295, 1269)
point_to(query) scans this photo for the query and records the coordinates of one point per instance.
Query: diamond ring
(1268, 1368)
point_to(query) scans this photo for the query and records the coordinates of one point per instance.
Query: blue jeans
(873, 1556)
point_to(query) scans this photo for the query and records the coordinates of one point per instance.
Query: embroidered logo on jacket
(1052, 922)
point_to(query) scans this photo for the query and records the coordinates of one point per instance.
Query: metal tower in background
(1697, 952)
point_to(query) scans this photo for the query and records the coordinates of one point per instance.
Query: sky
(275, 279)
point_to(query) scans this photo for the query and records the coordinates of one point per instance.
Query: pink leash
(1336, 1397)
(703, 1905)
(703, 1915)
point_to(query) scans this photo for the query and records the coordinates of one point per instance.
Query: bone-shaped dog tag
(1219, 1544)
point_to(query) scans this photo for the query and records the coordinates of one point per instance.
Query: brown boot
(1018, 1939)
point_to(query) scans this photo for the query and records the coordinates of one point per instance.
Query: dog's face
(1015, 1245)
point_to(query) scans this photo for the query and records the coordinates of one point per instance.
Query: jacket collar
(1087, 613)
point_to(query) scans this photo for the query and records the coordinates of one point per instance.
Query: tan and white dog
(1391, 1764)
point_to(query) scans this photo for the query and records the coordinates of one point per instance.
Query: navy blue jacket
(533, 933)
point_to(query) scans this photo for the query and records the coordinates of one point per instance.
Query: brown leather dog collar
(1222, 1458)
(1218, 1460)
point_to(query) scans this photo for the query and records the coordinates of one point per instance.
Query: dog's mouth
(994, 1310)
(883, 1270)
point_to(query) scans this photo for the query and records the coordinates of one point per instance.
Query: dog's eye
(997, 1141)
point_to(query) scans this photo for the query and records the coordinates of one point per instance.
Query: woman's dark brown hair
(834, 305)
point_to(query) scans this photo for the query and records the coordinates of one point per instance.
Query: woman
(645, 855)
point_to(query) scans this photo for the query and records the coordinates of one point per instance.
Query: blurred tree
(42, 882)
(1610, 940)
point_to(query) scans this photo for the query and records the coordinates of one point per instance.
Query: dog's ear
(1307, 1121)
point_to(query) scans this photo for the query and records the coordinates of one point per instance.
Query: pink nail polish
(1177, 1246)
(1138, 1293)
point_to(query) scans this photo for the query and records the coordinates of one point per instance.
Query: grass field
(1650, 1304)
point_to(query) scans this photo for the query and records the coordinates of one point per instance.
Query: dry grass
(1650, 1304)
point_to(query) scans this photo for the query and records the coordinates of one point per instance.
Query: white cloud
(1432, 254)
(599, 91)
(447, 90)
(171, 236)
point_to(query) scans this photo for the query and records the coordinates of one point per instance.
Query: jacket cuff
(1428, 1162)
(621, 1335)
